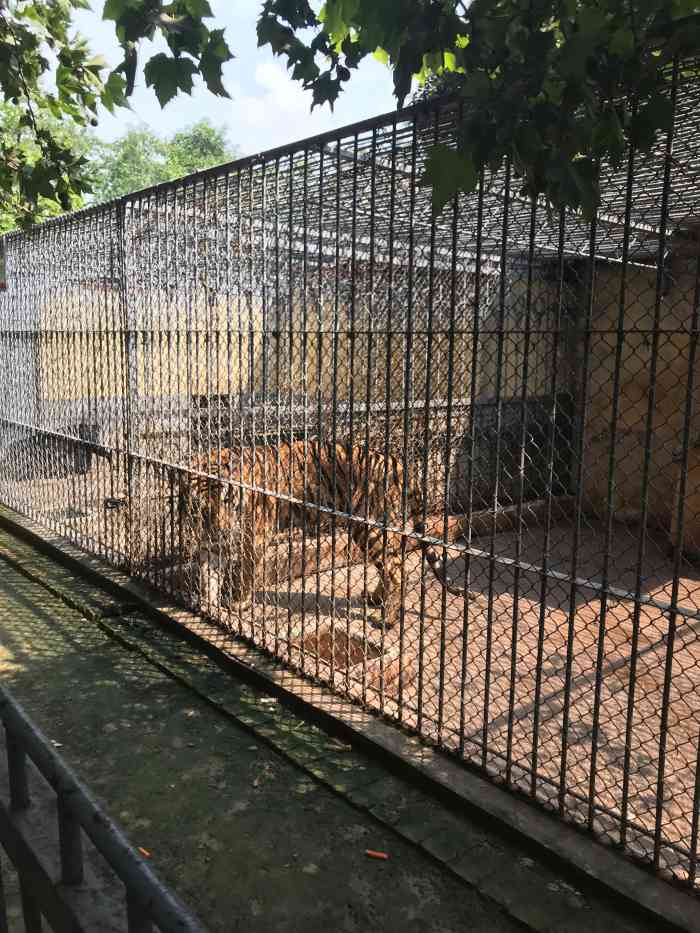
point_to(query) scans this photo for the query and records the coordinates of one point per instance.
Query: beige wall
(194, 345)
(636, 353)
(526, 358)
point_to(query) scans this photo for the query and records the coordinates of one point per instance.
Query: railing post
(17, 770)
(30, 908)
(138, 918)
(70, 843)
(3, 906)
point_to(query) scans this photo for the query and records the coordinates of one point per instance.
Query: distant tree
(56, 84)
(196, 147)
(141, 158)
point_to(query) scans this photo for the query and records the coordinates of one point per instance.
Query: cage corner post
(132, 408)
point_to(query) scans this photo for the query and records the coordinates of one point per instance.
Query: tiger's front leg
(387, 594)
(242, 574)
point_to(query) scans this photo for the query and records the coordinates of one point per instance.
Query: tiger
(229, 490)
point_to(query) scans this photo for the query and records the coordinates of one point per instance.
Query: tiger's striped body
(267, 488)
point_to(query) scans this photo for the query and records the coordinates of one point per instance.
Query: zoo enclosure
(535, 372)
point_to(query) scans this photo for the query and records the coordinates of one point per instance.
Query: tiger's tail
(436, 563)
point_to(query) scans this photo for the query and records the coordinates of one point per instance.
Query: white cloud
(276, 110)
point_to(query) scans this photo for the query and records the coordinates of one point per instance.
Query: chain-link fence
(448, 465)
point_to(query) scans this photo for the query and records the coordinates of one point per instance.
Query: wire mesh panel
(62, 393)
(447, 465)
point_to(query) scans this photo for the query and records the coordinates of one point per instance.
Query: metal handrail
(148, 900)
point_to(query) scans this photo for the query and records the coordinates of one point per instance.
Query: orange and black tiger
(248, 493)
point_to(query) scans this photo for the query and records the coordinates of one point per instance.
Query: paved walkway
(251, 836)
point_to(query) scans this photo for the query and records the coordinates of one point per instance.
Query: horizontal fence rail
(148, 901)
(448, 465)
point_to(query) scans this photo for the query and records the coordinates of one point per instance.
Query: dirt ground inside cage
(505, 692)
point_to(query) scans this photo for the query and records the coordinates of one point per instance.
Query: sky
(266, 108)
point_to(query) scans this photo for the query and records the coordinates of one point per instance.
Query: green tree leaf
(215, 54)
(199, 9)
(447, 172)
(168, 75)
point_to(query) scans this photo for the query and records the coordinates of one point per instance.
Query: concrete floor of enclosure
(246, 837)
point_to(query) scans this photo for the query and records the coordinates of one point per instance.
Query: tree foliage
(555, 86)
(141, 158)
(70, 136)
(50, 76)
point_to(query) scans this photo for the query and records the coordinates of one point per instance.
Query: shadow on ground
(242, 835)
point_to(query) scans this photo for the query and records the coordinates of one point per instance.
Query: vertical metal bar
(468, 507)
(352, 467)
(334, 402)
(242, 519)
(130, 382)
(263, 349)
(427, 413)
(200, 227)
(497, 464)
(546, 542)
(227, 566)
(407, 386)
(30, 907)
(290, 389)
(278, 335)
(578, 514)
(694, 823)
(17, 772)
(452, 325)
(610, 510)
(103, 329)
(675, 589)
(184, 413)
(138, 918)
(389, 342)
(70, 843)
(305, 389)
(369, 362)
(524, 392)
(4, 927)
(320, 428)
(252, 399)
(161, 387)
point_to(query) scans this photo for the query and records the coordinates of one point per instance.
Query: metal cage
(501, 393)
